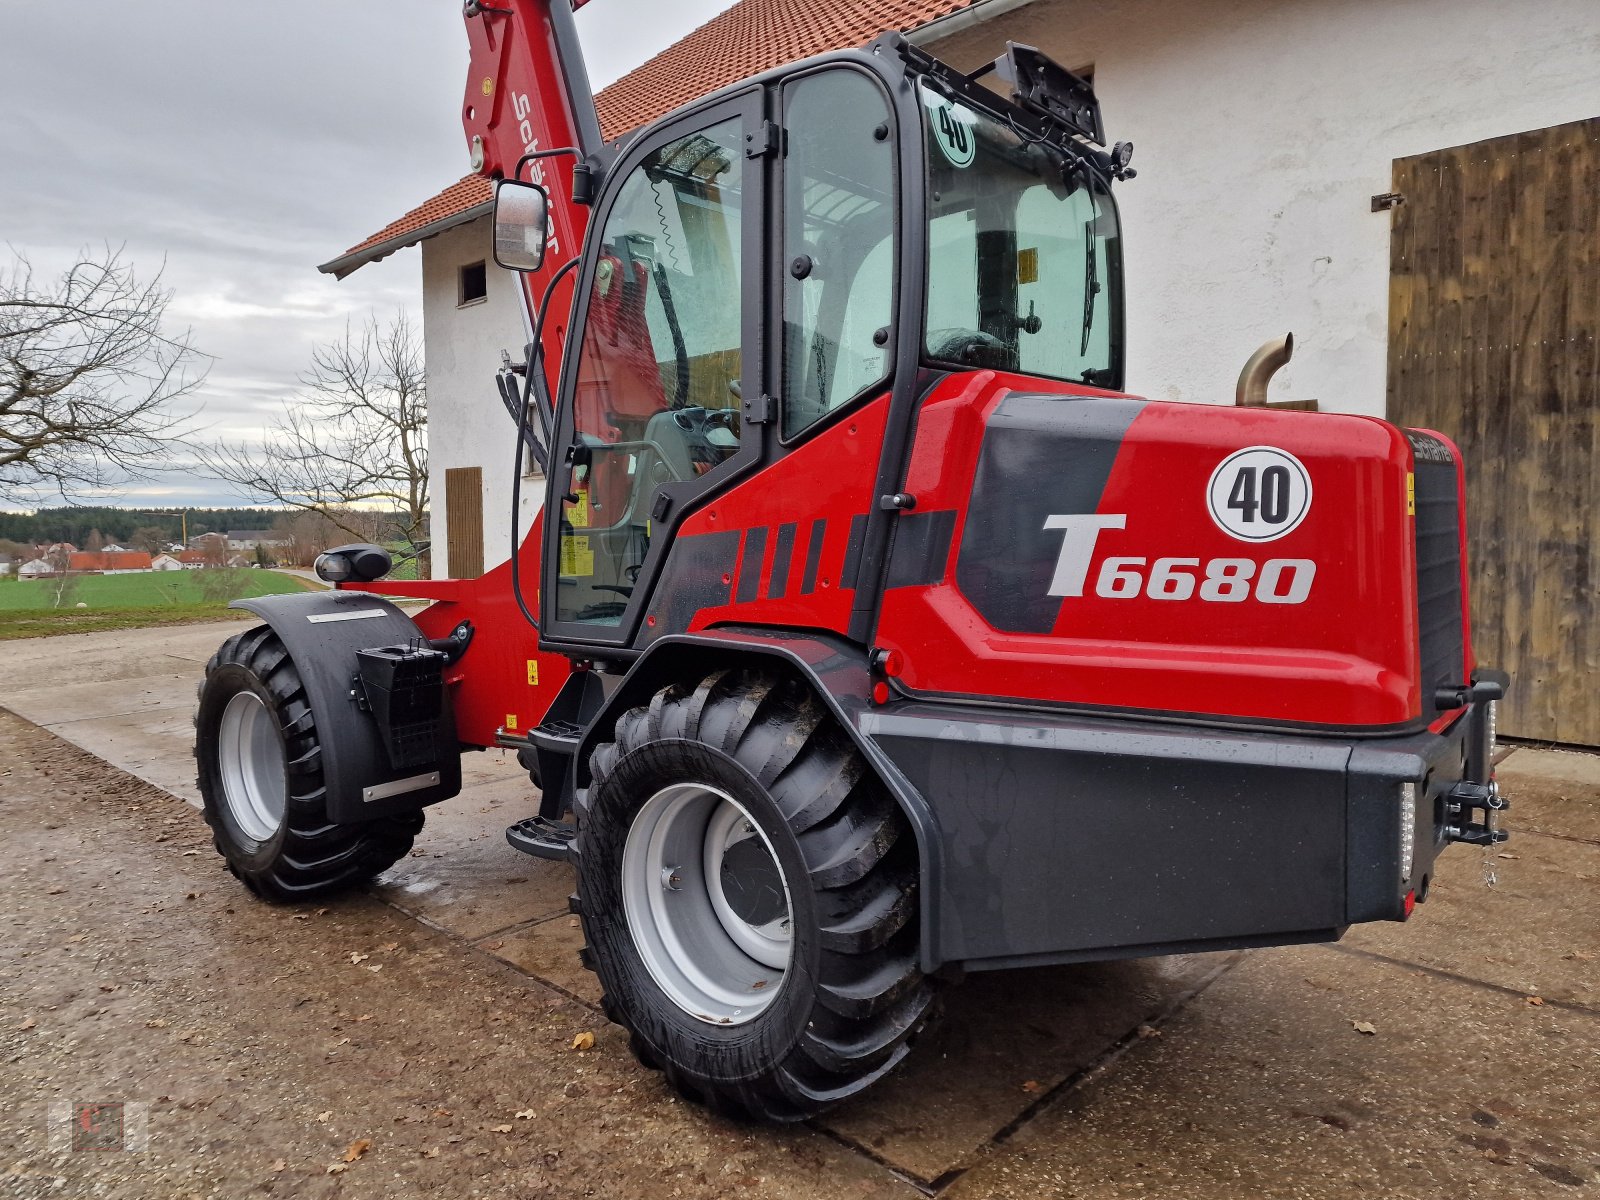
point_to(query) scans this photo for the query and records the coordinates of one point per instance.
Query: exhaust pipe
(1258, 372)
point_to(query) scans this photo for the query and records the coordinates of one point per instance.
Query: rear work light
(1408, 830)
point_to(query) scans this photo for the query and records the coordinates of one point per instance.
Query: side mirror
(521, 224)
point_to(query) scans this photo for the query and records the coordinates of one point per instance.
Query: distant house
(249, 539)
(113, 548)
(6, 564)
(34, 568)
(108, 562)
(165, 562)
(192, 560)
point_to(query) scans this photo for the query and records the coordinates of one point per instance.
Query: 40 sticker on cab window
(1259, 494)
(954, 128)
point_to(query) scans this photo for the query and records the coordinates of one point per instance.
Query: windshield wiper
(1091, 286)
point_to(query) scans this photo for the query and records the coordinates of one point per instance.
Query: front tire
(261, 782)
(748, 894)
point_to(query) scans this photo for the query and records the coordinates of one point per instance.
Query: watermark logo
(99, 1126)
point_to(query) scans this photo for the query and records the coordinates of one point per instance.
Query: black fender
(322, 632)
(835, 669)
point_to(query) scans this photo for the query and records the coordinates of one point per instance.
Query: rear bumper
(1064, 838)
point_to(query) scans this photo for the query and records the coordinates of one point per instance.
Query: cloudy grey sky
(237, 145)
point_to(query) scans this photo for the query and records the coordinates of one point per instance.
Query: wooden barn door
(1494, 304)
(463, 521)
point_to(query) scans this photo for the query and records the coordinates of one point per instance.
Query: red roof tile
(109, 560)
(751, 37)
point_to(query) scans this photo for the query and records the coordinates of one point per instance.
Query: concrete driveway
(1245, 1074)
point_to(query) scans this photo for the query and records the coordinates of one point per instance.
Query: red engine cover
(1180, 558)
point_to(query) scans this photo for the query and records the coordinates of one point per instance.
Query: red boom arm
(527, 91)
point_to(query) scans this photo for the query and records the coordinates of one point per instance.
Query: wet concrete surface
(1189, 1076)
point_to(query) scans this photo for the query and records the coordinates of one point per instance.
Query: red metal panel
(1346, 655)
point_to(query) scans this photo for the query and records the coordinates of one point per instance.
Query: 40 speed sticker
(1258, 494)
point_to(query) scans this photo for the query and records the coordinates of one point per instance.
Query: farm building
(1409, 186)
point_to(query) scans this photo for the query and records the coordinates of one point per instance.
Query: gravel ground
(271, 1045)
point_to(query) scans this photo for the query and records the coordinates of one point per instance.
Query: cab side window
(658, 375)
(838, 243)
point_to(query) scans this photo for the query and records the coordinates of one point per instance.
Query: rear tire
(717, 810)
(261, 782)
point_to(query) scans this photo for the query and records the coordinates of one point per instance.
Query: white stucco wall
(1262, 129)
(468, 425)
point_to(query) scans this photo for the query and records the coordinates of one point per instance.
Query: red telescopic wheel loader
(870, 633)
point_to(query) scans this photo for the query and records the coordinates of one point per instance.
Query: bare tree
(88, 382)
(355, 437)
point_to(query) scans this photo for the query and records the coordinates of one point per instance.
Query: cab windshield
(1024, 266)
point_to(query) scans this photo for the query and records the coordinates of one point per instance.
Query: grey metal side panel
(1042, 456)
(1063, 836)
(322, 632)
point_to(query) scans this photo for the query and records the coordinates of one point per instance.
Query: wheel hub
(707, 903)
(255, 779)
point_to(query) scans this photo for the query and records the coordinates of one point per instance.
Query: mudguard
(835, 669)
(322, 632)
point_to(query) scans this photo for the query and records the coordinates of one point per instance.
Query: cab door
(667, 339)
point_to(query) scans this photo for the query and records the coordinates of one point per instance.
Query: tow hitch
(1466, 799)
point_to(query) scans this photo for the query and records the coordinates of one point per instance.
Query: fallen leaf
(338, 1168)
(1148, 1031)
(325, 1117)
(584, 1041)
(1579, 956)
(155, 1023)
(389, 947)
(494, 945)
(28, 1023)
(1508, 856)
(281, 1165)
(1031, 1085)
(443, 1112)
(190, 853)
(431, 1152)
(375, 967)
(1366, 1027)
(356, 1149)
(191, 895)
(78, 937)
(301, 917)
(322, 912)
(526, 1114)
(364, 1017)
(499, 1129)
(1535, 1001)
(355, 958)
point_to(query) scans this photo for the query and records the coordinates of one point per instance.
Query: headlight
(1408, 830)
(333, 567)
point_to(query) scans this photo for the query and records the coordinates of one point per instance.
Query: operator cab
(776, 255)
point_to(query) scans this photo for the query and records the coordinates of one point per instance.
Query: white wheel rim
(255, 778)
(707, 903)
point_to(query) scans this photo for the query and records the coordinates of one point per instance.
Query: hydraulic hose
(535, 352)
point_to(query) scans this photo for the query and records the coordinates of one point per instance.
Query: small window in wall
(474, 285)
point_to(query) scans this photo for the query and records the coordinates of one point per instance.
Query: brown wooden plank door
(463, 521)
(1494, 312)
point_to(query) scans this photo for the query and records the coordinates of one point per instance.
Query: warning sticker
(952, 128)
(576, 556)
(578, 514)
(533, 672)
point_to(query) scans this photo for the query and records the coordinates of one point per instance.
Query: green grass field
(28, 607)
